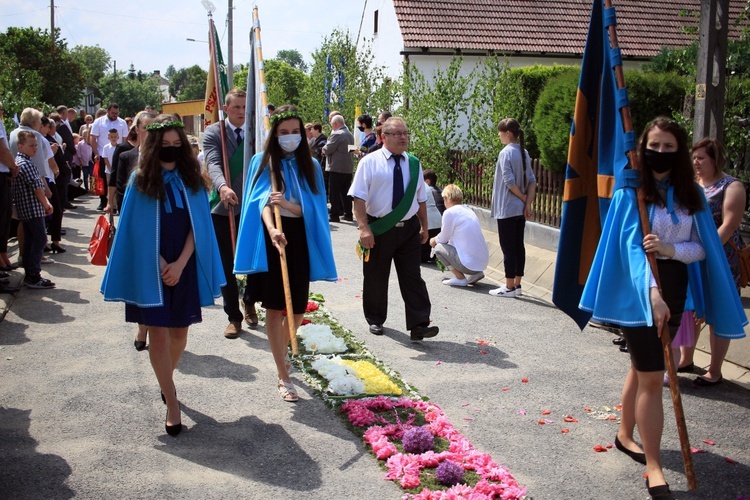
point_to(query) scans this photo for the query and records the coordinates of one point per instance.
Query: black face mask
(660, 162)
(361, 129)
(169, 154)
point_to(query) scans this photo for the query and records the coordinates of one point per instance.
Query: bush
(653, 95)
(552, 118)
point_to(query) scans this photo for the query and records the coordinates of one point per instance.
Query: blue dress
(181, 302)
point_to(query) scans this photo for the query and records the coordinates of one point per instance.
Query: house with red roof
(429, 33)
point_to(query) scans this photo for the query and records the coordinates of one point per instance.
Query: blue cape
(617, 288)
(133, 273)
(250, 257)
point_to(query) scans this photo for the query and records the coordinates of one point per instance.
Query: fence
(474, 171)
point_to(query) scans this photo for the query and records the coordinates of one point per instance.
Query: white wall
(387, 43)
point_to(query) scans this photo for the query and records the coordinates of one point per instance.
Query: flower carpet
(414, 441)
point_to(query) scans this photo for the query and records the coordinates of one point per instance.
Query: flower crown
(164, 125)
(278, 117)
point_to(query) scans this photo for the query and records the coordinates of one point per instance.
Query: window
(375, 23)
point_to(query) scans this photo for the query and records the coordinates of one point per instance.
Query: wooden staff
(285, 272)
(222, 129)
(276, 209)
(674, 388)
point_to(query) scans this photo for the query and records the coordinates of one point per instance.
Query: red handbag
(99, 187)
(101, 241)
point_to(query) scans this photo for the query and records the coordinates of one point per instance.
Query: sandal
(287, 391)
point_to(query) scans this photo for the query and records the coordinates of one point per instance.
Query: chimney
(157, 72)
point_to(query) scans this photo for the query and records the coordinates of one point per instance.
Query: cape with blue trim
(617, 288)
(133, 273)
(250, 257)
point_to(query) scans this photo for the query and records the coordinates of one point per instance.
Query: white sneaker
(518, 291)
(504, 291)
(456, 282)
(473, 278)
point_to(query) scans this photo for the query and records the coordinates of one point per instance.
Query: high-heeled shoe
(172, 430)
(662, 491)
(57, 248)
(638, 457)
(47, 249)
(140, 345)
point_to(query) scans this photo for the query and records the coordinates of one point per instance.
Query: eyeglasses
(397, 134)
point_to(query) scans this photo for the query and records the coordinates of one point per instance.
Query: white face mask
(289, 142)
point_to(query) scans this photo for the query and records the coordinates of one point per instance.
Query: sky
(151, 34)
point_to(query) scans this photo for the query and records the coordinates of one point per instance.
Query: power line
(66, 25)
(23, 13)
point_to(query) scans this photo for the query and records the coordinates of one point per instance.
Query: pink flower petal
(693, 449)
(465, 404)
(522, 412)
(549, 421)
(438, 363)
(708, 441)
(730, 461)
(468, 418)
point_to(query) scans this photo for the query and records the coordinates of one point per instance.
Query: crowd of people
(185, 232)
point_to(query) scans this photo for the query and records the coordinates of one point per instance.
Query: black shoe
(70, 206)
(100, 207)
(661, 491)
(638, 457)
(3, 274)
(423, 332)
(704, 382)
(140, 345)
(376, 329)
(57, 248)
(63, 232)
(349, 218)
(172, 430)
(618, 341)
(687, 368)
(47, 249)
(624, 348)
(334, 218)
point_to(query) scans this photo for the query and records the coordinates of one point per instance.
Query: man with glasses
(389, 202)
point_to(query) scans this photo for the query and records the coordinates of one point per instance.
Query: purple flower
(449, 473)
(417, 440)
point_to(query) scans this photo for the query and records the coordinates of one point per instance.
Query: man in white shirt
(102, 126)
(8, 168)
(391, 199)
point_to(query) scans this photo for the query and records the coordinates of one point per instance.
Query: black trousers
(54, 226)
(510, 233)
(338, 186)
(62, 181)
(401, 246)
(229, 293)
(6, 205)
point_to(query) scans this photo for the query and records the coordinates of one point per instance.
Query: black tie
(238, 131)
(398, 181)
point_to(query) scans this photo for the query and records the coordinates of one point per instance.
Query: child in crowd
(32, 206)
(107, 154)
(83, 157)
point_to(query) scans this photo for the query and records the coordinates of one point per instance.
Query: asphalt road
(80, 413)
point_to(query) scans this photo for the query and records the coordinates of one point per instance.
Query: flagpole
(222, 125)
(674, 387)
(276, 209)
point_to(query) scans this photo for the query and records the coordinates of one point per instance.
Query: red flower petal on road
(506, 388)
(546, 412)
(565, 431)
(541, 422)
(618, 407)
(611, 417)
(306, 322)
(587, 409)
(570, 419)
(708, 441)
(483, 352)
(483, 342)
(610, 446)
(524, 380)
(599, 448)
(693, 449)
(730, 461)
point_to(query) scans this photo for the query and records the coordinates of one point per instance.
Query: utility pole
(710, 88)
(114, 83)
(230, 59)
(52, 20)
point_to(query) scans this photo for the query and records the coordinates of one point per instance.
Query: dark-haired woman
(621, 289)
(165, 262)
(726, 201)
(512, 195)
(364, 125)
(305, 235)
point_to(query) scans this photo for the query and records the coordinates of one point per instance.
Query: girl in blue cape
(165, 262)
(306, 236)
(620, 288)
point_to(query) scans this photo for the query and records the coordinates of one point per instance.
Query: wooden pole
(276, 210)
(674, 388)
(222, 128)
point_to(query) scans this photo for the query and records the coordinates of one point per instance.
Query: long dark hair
(682, 175)
(273, 153)
(149, 177)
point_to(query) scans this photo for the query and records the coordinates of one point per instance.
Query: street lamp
(194, 40)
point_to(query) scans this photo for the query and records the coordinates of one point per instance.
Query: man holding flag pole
(223, 147)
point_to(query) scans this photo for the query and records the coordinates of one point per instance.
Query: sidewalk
(541, 245)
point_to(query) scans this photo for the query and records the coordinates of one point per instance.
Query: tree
(293, 58)
(35, 67)
(188, 84)
(131, 94)
(285, 83)
(94, 60)
(169, 73)
(365, 85)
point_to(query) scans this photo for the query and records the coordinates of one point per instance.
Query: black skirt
(268, 288)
